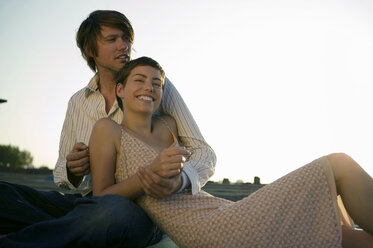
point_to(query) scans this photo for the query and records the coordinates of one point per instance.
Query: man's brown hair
(90, 29)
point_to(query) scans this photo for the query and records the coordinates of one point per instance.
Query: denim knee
(116, 209)
(122, 220)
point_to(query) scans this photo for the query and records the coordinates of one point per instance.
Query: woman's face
(143, 90)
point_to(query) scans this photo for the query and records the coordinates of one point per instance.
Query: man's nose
(123, 44)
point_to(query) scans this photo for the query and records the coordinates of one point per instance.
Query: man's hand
(77, 163)
(157, 186)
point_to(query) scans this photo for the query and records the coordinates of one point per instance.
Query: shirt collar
(92, 85)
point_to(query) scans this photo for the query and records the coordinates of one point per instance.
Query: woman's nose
(149, 86)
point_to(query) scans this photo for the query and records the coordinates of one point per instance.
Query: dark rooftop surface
(232, 192)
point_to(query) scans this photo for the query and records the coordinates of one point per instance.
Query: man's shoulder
(168, 89)
(167, 83)
(79, 94)
(80, 98)
(83, 93)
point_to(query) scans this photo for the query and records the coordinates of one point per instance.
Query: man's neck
(107, 86)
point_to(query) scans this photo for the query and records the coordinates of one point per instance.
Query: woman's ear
(120, 90)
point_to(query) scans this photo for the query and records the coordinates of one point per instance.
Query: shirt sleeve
(185, 182)
(67, 141)
(201, 164)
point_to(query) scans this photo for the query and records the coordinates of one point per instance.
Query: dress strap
(169, 129)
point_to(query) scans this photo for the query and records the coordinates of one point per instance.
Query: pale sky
(272, 84)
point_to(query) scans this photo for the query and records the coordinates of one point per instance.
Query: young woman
(297, 210)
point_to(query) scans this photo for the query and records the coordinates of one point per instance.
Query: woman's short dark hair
(122, 75)
(90, 29)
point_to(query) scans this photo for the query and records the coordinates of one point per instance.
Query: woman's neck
(138, 123)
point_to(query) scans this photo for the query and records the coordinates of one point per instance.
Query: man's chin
(120, 67)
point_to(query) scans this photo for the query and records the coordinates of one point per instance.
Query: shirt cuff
(185, 182)
(60, 177)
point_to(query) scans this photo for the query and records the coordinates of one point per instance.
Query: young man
(49, 219)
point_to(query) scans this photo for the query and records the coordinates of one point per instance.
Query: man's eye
(157, 85)
(124, 38)
(139, 80)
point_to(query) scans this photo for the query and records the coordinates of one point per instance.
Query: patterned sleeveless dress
(297, 210)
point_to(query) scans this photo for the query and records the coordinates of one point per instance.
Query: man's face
(113, 50)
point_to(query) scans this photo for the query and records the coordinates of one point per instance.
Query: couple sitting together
(148, 162)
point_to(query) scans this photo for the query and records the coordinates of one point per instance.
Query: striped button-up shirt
(88, 105)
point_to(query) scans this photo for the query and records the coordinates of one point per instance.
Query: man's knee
(123, 220)
(116, 210)
(5, 187)
(8, 193)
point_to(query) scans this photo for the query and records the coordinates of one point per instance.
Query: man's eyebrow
(110, 36)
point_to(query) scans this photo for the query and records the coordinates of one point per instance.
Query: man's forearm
(200, 165)
(185, 182)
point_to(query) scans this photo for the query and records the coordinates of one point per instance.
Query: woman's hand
(169, 162)
(163, 175)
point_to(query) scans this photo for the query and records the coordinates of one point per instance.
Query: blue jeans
(49, 219)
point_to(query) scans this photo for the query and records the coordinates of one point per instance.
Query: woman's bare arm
(104, 146)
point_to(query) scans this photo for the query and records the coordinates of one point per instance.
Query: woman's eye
(156, 85)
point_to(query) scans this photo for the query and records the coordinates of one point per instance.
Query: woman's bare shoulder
(170, 124)
(105, 122)
(106, 126)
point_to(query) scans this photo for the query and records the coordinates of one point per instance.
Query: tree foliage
(11, 156)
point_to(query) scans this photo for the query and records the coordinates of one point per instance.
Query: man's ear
(88, 52)
(120, 90)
